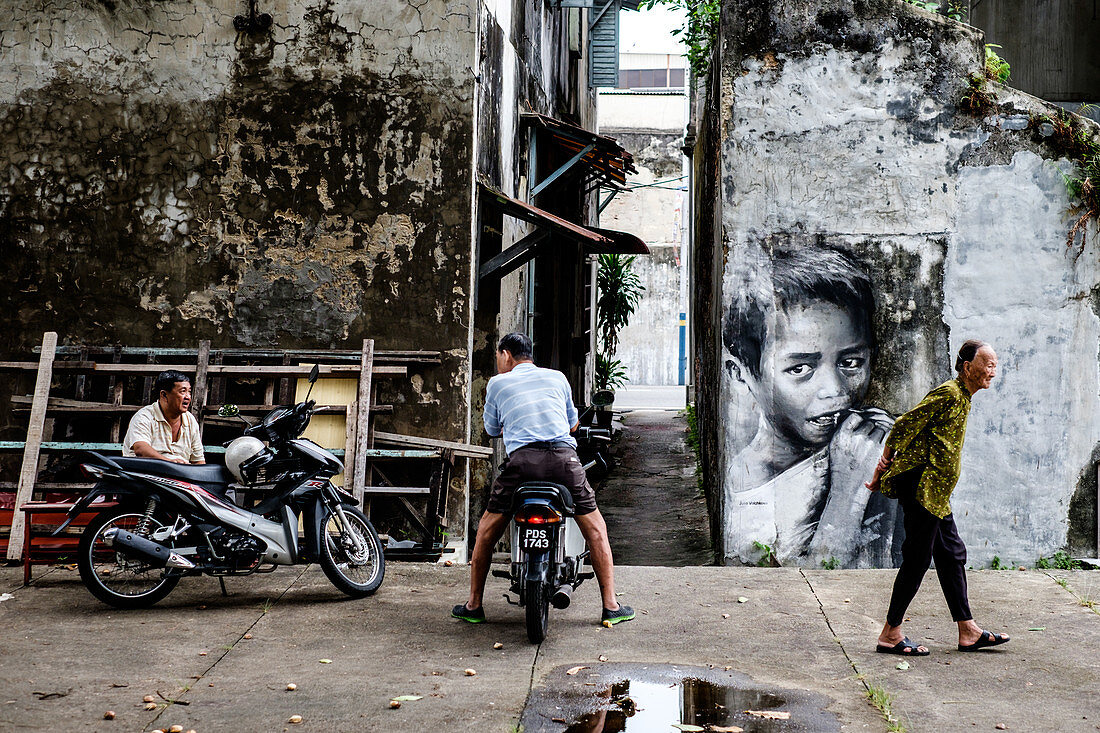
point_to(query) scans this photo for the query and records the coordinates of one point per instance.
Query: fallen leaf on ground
(558, 720)
(903, 665)
(602, 658)
(407, 698)
(150, 706)
(109, 715)
(725, 615)
(148, 698)
(291, 687)
(574, 670)
(176, 729)
(325, 661)
(118, 684)
(688, 727)
(471, 672)
(742, 599)
(51, 695)
(1001, 726)
(394, 704)
(498, 645)
(726, 729)
(248, 636)
(1038, 628)
(294, 719)
(607, 624)
(727, 668)
(769, 714)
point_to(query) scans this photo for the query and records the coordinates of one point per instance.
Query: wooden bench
(39, 547)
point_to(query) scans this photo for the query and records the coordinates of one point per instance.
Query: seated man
(165, 429)
(533, 409)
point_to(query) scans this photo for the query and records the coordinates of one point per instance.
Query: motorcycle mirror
(313, 374)
(228, 410)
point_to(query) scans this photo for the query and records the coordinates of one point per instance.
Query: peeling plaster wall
(649, 347)
(839, 129)
(524, 65)
(167, 179)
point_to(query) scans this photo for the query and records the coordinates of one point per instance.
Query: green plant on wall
(699, 32)
(952, 8)
(996, 68)
(1075, 139)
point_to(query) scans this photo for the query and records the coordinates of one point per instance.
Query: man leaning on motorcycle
(532, 408)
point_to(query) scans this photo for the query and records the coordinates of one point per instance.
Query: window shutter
(603, 44)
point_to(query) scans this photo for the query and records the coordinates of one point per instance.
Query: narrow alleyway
(656, 515)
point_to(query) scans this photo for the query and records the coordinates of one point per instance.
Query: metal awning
(605, 161)
(593, 240)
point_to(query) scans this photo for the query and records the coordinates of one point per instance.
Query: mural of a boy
(798, 332)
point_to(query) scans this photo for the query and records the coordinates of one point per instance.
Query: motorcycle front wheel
(351, 553)
(536, 600)
(115, 578)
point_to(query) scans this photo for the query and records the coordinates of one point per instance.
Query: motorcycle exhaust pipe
(562, 596)
(155, 554)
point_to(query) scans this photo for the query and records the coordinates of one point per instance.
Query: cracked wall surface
(166, 178)
(839, 128)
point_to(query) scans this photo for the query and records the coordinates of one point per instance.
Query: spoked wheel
(115, 578)
(536, 600)
(351, 553)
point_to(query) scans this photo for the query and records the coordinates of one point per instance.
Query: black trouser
(927, 538)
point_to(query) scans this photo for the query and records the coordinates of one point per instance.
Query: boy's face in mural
(814, 365)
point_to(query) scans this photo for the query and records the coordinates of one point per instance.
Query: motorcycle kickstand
(225, 593)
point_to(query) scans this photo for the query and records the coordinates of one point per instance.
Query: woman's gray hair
(967, 352)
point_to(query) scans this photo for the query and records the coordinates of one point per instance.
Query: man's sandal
(904, 647)
(988, 638)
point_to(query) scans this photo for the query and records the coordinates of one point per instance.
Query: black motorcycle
(548, 553)
(172, 520)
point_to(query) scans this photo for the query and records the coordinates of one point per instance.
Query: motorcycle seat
(557, 494)
(210, 475)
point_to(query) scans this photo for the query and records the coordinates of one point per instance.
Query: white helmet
(239, 451)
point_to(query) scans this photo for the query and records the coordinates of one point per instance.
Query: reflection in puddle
(633, 706)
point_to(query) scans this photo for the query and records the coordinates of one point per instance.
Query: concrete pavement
(65, 658)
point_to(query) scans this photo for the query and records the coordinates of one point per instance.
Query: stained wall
(841, 131)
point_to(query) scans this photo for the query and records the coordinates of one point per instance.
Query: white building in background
(647, 114)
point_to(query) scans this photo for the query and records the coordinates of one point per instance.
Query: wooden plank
(362, 418)
(319, 409)
(349, 447)
(352, 355)
(147, 384)
(41, 486)
(200, 390)
(373, 453)
(32, 449)
(396, 490)
(461, 449)
(116, 401)
(292, 370)
(22, 403)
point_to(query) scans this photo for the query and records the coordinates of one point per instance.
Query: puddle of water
(634, 706)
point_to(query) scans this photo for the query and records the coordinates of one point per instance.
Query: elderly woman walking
(919, 467)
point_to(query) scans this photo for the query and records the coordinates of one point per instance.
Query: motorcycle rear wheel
(536, 600)
(113, 577)
(357, 573)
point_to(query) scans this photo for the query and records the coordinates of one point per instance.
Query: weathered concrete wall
(842, 139)
(524, 65)
(649, 347)
(167, 179)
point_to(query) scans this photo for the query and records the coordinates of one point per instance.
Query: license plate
(535, 539)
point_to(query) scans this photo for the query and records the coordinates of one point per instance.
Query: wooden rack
(214, 370)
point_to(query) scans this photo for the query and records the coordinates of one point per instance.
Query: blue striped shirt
(529, 404)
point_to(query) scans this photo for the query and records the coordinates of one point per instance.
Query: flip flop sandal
(985, 640)
(904, 647)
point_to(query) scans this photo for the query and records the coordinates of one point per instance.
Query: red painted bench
(39, 548)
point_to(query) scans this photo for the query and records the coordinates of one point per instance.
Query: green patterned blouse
(930, 436)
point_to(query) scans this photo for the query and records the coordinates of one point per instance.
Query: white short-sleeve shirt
(149, 425)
